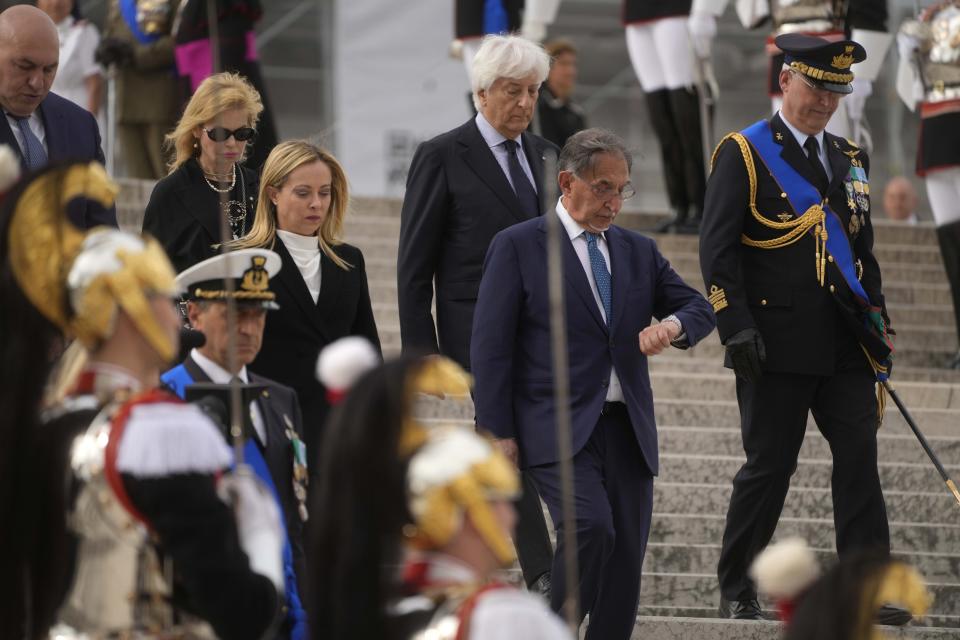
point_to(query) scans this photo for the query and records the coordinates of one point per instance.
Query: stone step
(688, 266)
(722, 414)
(813, 473)
(891, 447)
(385, 246)
(702, 559)
(690, 623)
(936, 355)
(707, 528)
(725, 414)
(385, 215)
(711, 498)
(909, 319)
(381, 263)
(679, 363)
(699, 386)
(701, 591)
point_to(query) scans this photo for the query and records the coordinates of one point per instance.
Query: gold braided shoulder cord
(813, 218)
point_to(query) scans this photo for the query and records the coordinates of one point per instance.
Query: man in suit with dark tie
(786, 250)
(41, 127)
(616, 282)
(463, 187)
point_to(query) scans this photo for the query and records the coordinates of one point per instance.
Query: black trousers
(531, 536)
(773, 418)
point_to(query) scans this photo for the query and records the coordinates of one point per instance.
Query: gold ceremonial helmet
(79, 280)
(453, 472)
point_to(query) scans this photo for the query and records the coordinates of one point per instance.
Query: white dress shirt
(495, 140)
(577, 236)
(219, 375)
(305, 252)
(36, 125)
(802, 138)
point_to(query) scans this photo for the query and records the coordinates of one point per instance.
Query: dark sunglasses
(221, 134)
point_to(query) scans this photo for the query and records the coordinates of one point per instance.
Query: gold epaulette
(795, 228)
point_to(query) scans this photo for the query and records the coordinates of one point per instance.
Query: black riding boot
(671, 155)
(685, 105)
(949, 237)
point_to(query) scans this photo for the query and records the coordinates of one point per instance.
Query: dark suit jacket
(511, 352)
(776, 290)
(71, 134)
(457, 199)
(295, 334)
(183, 213)
(278, 404)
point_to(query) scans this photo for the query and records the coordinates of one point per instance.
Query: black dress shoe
(893, 616)
(740, 609)
(541, 586)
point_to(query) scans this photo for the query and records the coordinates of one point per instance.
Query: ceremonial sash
(178, 379)
(128, 9)
(802, 195)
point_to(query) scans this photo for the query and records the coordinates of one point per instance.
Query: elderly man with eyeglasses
(786, 251)
(617, 284)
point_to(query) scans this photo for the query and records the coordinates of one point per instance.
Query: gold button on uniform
(829, 258)
(783, 195)
(763, 302)
(832, 289)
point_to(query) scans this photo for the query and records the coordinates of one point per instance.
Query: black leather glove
(746, 351)
(114, 51)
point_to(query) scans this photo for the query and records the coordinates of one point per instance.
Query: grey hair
(581, 149)
(511, 57)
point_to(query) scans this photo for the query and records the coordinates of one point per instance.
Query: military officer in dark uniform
(786, 251)
(275, 448)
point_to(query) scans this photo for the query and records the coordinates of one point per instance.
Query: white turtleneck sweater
(305, 251)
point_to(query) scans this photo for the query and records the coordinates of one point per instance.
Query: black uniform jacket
(278, 404)
(649, 10)
(295, 333)
(468, 17)
(777, 290)
(184, 212)
(457, 199)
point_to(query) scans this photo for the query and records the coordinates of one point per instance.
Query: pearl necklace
(233, 181)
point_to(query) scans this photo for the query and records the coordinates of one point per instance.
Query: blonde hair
(218, 93)
(286, 158)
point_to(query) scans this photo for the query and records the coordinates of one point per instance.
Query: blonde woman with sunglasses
(208, 146)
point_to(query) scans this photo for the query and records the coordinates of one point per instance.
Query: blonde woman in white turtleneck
(322, 288)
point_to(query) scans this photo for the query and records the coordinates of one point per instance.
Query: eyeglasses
(222, 134)
(603, 192)
(820, 92)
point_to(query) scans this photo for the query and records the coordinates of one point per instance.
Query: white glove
(258, 522)
(533, 30)
(857, 100)
(703, 29)
(906, 45)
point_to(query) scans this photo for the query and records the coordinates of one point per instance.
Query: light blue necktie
(600, 272)
(33, 151)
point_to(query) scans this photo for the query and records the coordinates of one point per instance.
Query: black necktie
(521, 184)
(820, 174)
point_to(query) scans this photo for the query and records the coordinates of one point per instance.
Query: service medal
(854, 225)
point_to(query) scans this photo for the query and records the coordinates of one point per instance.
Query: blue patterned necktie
(34, 154)
(521, 183)
(600, 273)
